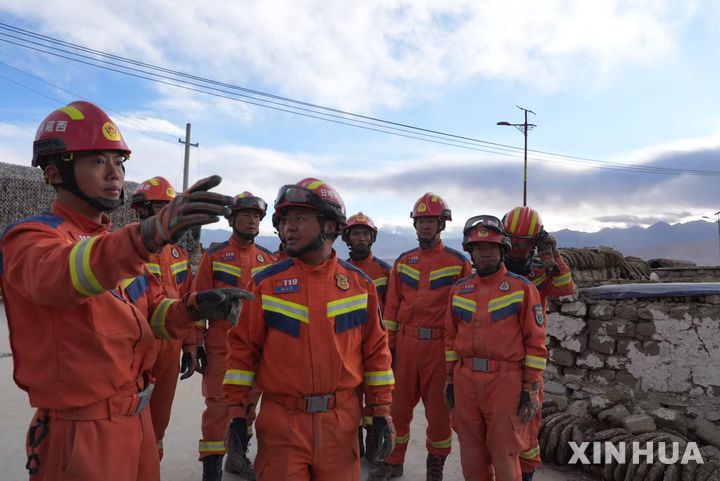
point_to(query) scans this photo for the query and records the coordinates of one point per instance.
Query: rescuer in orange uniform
(552, 277)
(311, 338)
(231, 263)
(417, 299)
(81, 341)
(281, 253)
(360, 234)
(171, 268)
(495, 353)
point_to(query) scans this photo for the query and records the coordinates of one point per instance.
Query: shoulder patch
(266, 251)
(384, 265)
(456, 253)
(406, 253)
(539, 314)
(351, 267)
(273, 269)
(217, 247)
(524, 279)
(45, 218)
(464, 279)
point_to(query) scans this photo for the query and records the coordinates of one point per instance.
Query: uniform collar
(83, 223)
(236, 245)
(327, 264)
(495, 277)
(434, 250)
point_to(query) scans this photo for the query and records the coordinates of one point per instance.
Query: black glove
(384, 431)
(201, 360)
(450, 395)
(194, 207)
(361, 441)
(216, 304)
(238, 436)
(187, 365)
(529, 401)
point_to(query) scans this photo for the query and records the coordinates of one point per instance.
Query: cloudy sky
(614, 84)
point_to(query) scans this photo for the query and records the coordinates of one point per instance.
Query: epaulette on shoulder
(273, 269)
(351, 267)
(460, 281)
(406, 253)
(456, 253)
(524, 279)
(46, 218)
(217, 247)
(385, 266)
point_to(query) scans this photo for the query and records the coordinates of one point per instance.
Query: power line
(325, 113)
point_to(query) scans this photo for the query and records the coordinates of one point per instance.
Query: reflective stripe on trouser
(486, 421)
(165, 371)
(215, 415)
(530, 452)
(297, 446)
(121, 449)
(420, 374)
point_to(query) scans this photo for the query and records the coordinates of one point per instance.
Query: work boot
(370, 445)
(212, 467)
(527, 476)
(238, 463)
(435, 465)
(385, 471)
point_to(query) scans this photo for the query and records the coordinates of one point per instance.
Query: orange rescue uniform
(494, 340)
(312, 336)
(414, 314)
(225, 265)
(82, 345)
(549, 285)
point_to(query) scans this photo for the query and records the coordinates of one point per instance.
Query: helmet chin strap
(425, 243)
(67, 174)
(489, 270)
(520, 267)
(244, 235)
(317, 242)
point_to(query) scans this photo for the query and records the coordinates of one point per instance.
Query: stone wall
(686, 274)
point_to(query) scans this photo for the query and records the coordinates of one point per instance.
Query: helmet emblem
(170, 192)
(111, 132)
(422, 207)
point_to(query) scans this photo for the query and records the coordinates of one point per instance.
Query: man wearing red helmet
(310, 340)
(81, 341)
(552, 277)
(360, 234)
(495, 353)
(231, 263)
(171, 268)
(414, 314)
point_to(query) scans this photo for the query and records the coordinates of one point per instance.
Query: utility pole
(186, 165)
(524, 127)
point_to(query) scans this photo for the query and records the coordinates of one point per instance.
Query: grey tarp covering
(635, 291)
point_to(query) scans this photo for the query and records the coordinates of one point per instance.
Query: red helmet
(358, 219)
(523, 222)
(485, 228)
(312, 193)
(77, 127)
(248, 201)
(157, 189)
(431, 205)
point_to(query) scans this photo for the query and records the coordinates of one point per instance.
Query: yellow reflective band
(72, 112)
(178, 267)
(380, 281)
(515, 219)
(367, 420)
(504, 301)
(379, 378)
(287, 308)
(199, 324)
(445, 272)
(390, 325)
(535, 361)
(348, 304)
(153, 268)
(464, 303)
(402, 439)
(227, 268)
(126, 282)
(539, 280)
(562, 280)
(238, 377)
(533, 223)
(157, 320)
(451, 356)
(531, 453)
(83, 278)
(409, 271)
(211, 446)
(257, 269)
(315, 185)
(445, 443)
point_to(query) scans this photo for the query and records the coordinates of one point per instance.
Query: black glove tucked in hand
(187, 365)
(219, 304)
(201, 360)
(238, 436)
(194, 207)
(384, 431)
(529, 401)
(450, 395)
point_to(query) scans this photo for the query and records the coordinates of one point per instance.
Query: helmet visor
(294, 194)
(250, 203)
(488, 221)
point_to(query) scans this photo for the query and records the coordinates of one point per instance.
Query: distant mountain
(695, 241)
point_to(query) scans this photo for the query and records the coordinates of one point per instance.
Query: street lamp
(717, 216)
(524, 127)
